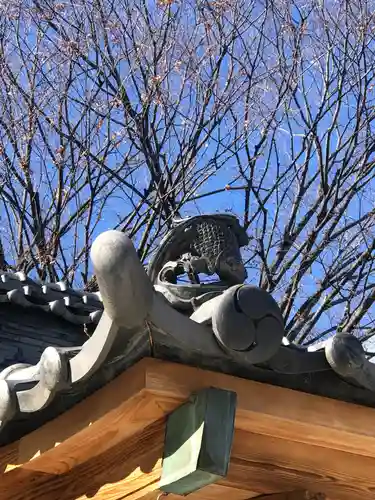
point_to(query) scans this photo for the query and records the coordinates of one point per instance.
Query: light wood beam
(293, 495)
(259, 465)
(297, 466)
(272, 410)
(152, 389)
(283, 440)
(131, 466)
(131, 470)
(89, 428)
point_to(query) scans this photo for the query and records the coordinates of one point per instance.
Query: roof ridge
(76, 306)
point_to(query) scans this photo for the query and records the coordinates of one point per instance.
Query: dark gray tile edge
(75, 306)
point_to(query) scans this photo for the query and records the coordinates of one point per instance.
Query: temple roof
(51, 376)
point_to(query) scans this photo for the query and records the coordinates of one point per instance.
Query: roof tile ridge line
(60, 286)
(58, 297)
(57, 370)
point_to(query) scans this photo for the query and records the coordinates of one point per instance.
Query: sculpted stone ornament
(245, 320)
(221, 321)
(248, 320)
(347, 357)
(197, 246)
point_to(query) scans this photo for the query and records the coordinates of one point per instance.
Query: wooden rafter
(111, 444)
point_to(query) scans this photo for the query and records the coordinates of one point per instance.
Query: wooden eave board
(284, 440)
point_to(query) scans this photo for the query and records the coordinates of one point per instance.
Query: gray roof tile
(76, 306)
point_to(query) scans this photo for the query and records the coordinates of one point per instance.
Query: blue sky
(283, 154)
